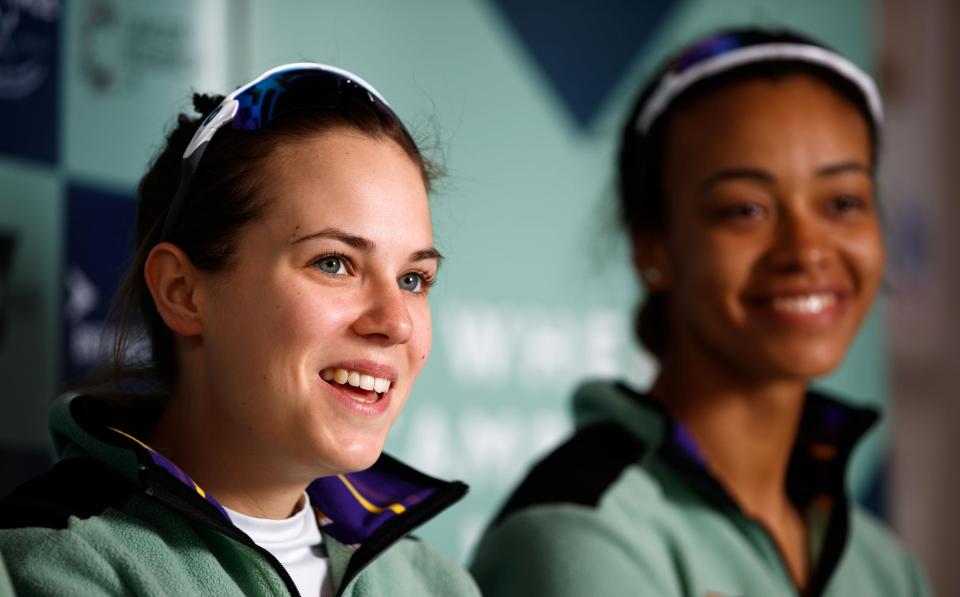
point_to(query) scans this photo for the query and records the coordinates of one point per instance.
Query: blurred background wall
(919, 62)
(521, 100)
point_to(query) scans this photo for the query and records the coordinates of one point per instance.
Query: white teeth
(808, 304)
(366, 382)
(356, 379)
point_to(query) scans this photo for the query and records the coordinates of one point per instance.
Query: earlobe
(650, 261)
(172, 280)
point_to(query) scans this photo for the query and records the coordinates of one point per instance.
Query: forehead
(766, 122)
(344, 178)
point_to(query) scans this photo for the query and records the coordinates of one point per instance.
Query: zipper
(784, 567)
(161, 485)
(157, 484)
(186, 505)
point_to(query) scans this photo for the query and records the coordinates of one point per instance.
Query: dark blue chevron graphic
(585, 47)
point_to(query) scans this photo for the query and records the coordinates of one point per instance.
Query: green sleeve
(567, 550)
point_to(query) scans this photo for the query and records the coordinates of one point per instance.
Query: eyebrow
(764, 177)
(357, 242)
(426, 254)
(843, 168)
(364, 244)
(755, 174)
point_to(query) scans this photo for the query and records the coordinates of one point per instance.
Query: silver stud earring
(651, 275)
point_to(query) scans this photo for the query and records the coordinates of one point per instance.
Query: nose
(385, 317)
(800, 243)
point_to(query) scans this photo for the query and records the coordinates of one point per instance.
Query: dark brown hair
(642, 205)
(224, 197)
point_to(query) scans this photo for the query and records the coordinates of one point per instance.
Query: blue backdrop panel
(29, 75)
(100, 236)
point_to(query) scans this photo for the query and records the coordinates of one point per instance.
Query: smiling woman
(284, 260)
(747, 188)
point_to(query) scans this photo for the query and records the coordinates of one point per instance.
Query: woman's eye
(331, 264)
(411, 282)
(742, 211)
(846, 203)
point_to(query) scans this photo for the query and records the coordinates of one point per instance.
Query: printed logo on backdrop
(29, 66)
(100, 227)
(584, 48)
(118, 49)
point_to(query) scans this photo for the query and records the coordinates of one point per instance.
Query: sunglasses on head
(278, 91)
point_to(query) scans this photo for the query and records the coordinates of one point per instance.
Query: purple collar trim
(350, 507)
(354, 506)
(163, 462)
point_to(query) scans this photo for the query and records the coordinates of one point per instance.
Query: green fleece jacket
(114, 517)
(628, 507)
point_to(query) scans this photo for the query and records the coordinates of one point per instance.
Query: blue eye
(331, 264)
(411, 282)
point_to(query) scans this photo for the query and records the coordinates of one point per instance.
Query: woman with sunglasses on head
(284, 258)
(746, 184)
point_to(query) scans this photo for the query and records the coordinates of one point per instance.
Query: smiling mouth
(361, 386)
(812, 309)
(806, 304)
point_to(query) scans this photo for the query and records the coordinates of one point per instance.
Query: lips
(363, 387)
(801, 308)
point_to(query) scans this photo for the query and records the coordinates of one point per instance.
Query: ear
(651, 262)
(172, 280)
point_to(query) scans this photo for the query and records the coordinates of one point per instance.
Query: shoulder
(580, 471)
(412, 567)
(579, 524)
(875, 553)
(567, 549)
(75, 487)
(42, 553)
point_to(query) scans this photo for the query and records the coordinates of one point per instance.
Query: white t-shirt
(297, 543)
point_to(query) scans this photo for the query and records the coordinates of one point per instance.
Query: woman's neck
(746, 430)
(746, 433)
(192, 434)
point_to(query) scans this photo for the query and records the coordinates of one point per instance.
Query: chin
(356, 455)
(806, 363)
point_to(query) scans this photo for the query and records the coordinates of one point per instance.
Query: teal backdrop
(521, 102)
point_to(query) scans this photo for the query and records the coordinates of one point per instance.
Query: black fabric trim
(579, 471)
(838, 529)
(80, 487)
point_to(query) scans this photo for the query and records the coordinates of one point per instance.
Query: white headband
(673, 84)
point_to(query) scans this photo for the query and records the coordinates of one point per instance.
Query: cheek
(421, 340)
(308, 316)
(714, 265)
(866, 256)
